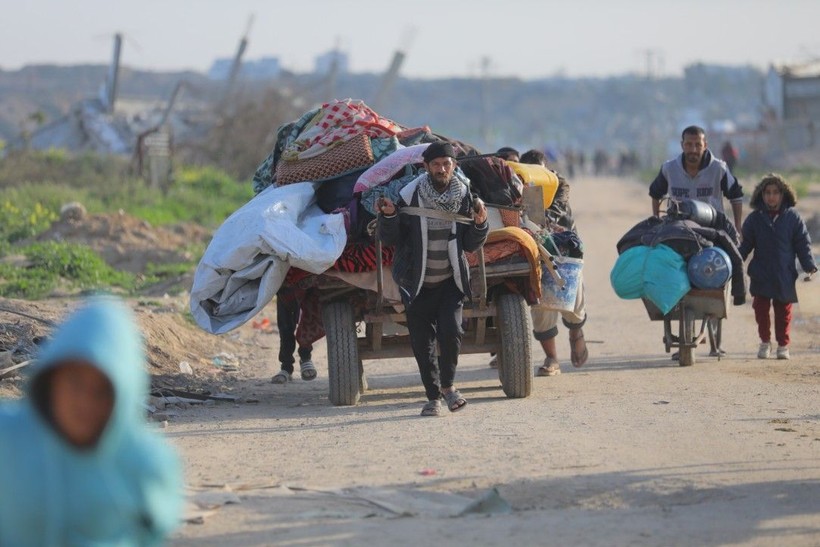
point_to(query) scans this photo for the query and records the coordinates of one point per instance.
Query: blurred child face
(772, 196)
(82, 399)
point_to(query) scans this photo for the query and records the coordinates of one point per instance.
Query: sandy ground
(629, 450)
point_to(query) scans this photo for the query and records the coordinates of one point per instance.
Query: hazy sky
(523, 38)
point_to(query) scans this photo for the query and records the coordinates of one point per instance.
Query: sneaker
(764, 350)
(493, 363)
(549, 368)
(783, 352)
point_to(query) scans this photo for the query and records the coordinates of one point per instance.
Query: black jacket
(409, 234)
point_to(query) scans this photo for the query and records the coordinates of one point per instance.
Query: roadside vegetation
(34, 186)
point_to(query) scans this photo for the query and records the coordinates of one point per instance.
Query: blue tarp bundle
(658, 273)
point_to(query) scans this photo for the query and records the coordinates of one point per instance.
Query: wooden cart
(706, 305)
(497, 319)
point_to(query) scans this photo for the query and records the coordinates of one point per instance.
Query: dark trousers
(287, 319)
(435, 316)
(782, 319)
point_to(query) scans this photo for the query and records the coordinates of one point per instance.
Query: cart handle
(548, 260)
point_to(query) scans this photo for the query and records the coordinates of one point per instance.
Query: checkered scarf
(449, 200)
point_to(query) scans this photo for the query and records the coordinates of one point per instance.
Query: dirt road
(629, 450)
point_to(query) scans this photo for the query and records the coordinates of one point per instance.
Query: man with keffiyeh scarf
(431, 269)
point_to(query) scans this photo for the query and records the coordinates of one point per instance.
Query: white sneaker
(764, 350)
(493, 361)
(783, 352)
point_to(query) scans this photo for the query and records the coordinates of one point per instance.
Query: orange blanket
(508, 241)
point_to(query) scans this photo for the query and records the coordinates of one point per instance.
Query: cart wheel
(687, 337)
(342, 353)
(515, 355)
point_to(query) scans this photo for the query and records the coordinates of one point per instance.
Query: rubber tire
(342, 353)
(687, 336)
(515, 354)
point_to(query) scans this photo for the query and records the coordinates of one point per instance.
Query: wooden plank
(7, 370)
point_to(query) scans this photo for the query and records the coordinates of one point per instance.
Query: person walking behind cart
(777, 234)
(508, 153)
(698, 174)
(545, 321)
(431, 269)
(288, 313)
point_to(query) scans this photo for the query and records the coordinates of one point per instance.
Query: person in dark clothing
(288, 312)
(730, 155)
(777, 234)
(430, 267)
(508, 153)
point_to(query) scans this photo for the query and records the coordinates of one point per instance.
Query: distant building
(260, 69)
(324, 63)
(792, 92)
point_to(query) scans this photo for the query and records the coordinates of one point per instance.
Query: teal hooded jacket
(127, 489)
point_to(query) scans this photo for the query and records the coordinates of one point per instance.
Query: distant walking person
(730, 155)
(777, 234)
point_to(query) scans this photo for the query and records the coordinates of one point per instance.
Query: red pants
(782, 319)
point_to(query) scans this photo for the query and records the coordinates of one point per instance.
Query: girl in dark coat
(777, 234)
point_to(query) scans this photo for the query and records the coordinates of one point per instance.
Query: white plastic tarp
(247, 260)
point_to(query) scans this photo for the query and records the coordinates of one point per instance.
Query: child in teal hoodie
(77, 463)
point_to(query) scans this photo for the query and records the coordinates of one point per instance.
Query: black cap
(438, 149)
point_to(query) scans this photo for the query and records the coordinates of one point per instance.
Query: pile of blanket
(315, 205)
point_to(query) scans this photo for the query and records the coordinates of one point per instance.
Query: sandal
(578, 357)
(455, 401)
(308, 370)
(549, 368)
(281, 377)
(432, 408)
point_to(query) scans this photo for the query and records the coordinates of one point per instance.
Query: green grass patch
(18, 223)
(51, 264)
(204, 195)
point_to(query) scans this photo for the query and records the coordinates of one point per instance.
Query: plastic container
(563, 298)
(537, 175)
(709, 268)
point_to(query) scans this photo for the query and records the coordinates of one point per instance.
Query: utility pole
(236, 66)
(333, 72)
(484, 92)
(653, 59)
(392, 74)
(112, 81)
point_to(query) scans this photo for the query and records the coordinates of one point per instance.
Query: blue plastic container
(710, 268)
